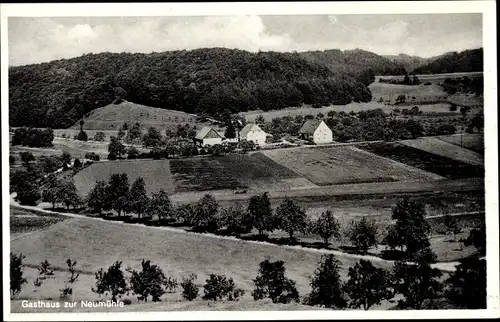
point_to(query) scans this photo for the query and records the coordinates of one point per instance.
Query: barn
(316, 131)
(207, 136)
(252, 132)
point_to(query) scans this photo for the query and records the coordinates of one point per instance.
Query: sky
(36, 40)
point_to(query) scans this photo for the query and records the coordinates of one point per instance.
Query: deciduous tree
(368, 285)
(466, 287)
(111, 281)
(271, 282)
(326, 226)
(260, 213)
(290, 217)
(326, 284)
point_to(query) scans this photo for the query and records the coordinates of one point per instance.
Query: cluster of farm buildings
(314, 130)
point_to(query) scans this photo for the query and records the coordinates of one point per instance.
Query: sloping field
(95, 244)
(24, 221)
(112, 117)
(233, 171)
(156, 174)
(471, 141)
(389, 92)
(345, 164)
(445, 149)
(78, 149)
(426, 161)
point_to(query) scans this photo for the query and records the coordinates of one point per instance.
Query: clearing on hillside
(426, 161)
(471, 141)
(345, 164)
(445, 149)
(233, 171)
(112, 117)
(156, 174)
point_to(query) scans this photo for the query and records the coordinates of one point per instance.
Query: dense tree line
(464, 85)
(211, 81)
(465, 61)
(28, 136)
(362, 126)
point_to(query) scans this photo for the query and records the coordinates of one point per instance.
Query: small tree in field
(326, 284)
(160, 206)
(149, 281)
(218, 287)
(363, 235)
(138, 200)
(367, 285)
(16, 274)
(466, 287)
(189, 288)
(117, 192)
(260, 213)
(111, 281)
(235, 219)
(97, 197)
(205, 214)
(477, 238)
(290, 217)
(411, 228)
(67, 291)
(326, 227)
(271, 282)
(418, 283)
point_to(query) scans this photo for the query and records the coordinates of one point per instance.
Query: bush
(149, 281)
(112, 156)
(446, 129)
(92, 156)
(127, 302)
(189, 288)
(77, 163)
(132, 153)
(218, 287)
(99, 136)
(67, 291)
(271, 282)
(453, 108)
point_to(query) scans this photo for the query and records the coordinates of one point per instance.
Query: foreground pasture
(345, 165)
(95, 244)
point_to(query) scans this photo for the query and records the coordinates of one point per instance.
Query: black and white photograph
(285, 160)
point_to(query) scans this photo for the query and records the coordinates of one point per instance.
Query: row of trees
(32, 137)
(409, 234)
(365, 287)
(411, 79)
(362, 126)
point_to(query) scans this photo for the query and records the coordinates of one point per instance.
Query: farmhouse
(252, 132)
(316, 131)
(207, 136)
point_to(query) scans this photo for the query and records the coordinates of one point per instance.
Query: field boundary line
(443, 266)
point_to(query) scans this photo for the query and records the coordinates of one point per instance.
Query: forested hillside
(210, 81)
(465, 61)
(410, 63)
(363, 65)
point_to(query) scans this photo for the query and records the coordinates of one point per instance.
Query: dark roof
(310, 126)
